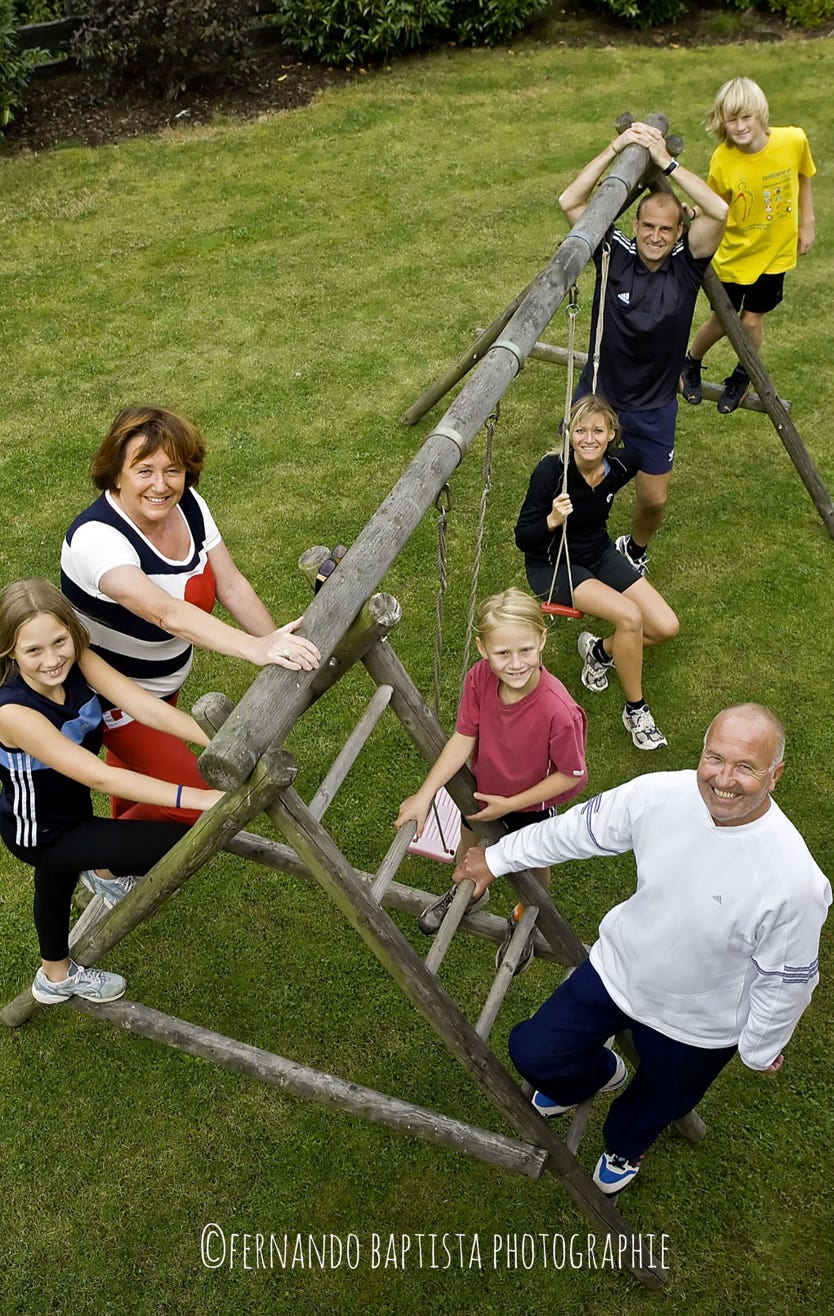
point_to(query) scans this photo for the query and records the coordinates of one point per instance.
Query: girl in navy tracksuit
(50, 736)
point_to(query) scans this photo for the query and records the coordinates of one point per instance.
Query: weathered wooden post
(209, 834)
(271, 704)
(771, 402)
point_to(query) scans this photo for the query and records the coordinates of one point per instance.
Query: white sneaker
(594, 673)
(614, 1173)
(643, 728)
(89, 984)
(111, 889)
(549, 1108)
(639, 563)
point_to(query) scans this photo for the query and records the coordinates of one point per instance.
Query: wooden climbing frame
(350, 623)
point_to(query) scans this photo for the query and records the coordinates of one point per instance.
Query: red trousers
(156, 754)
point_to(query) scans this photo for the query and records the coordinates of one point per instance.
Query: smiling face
(514, 654)
(745, 131)
(590, 437)
(740, 765)
(657, 228)
(44, 652)
(148, 488)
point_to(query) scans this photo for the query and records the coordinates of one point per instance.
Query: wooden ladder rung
(505, 973)
(577, 1125)
(92, 913)
(454, 916)
(349, 752)
(397, 851)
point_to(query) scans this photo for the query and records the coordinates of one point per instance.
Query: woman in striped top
(143, 566)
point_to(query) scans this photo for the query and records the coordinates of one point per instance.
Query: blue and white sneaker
(89, 984)
(111, 889)
(613, 1173)
(547, 1107)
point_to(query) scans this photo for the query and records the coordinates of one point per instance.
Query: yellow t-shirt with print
(762, 191)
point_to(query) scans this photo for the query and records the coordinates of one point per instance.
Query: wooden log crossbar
(350, 624)
(549, 352)
(536, 1148)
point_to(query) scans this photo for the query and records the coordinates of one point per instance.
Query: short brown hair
(666, 199)
(180, 438)
(20, 602)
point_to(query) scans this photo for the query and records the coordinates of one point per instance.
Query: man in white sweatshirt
(715, 952)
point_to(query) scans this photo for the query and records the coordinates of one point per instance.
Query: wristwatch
(671, 166)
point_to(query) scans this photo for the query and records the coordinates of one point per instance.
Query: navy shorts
(515, 821)
(651, 434)
(611, 567)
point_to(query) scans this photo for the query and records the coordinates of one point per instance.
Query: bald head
(755, 718)
(740, 764)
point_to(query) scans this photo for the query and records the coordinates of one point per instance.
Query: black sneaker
(525, 958)
(433, 915)
(736, 388)
(690, 381)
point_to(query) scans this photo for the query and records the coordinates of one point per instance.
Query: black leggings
(125, 847)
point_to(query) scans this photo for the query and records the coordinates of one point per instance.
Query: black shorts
(760, 297)
(611, 567)
(515, 821)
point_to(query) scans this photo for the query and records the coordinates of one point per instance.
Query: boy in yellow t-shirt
(765, 176)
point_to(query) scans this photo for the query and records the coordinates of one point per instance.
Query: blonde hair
(592, 405)
(736, 97)
(25, 599)
(512, 607)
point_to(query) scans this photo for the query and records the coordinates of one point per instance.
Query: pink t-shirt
(520, 744)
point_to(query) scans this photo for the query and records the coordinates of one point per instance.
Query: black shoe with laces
(690, 381)
(434, 914)
(736, 388)
(525, 959)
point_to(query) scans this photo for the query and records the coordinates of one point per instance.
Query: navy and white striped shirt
(37, 803)
(103, 538)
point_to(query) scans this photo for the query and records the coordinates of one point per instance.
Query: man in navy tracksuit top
(653, 283)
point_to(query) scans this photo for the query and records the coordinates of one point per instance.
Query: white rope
(603, 284)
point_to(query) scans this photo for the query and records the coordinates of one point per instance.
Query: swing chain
(443, 506)
(491, 425)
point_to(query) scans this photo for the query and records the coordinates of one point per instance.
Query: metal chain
(491, 423)
(443, 504)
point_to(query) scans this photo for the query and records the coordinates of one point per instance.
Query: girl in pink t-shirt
(522, 732)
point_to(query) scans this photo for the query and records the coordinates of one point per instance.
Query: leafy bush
(798, 13)
(488, 22)
(40, 11)
(355, 31)
(358, 31)
(644, 13)
(15, 66)
(652, 13)
(161, 45)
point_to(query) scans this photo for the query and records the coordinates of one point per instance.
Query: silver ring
(286, 654)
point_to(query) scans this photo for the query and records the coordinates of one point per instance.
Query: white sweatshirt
(719, 943)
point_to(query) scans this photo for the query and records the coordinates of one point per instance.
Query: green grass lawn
(293, 284)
